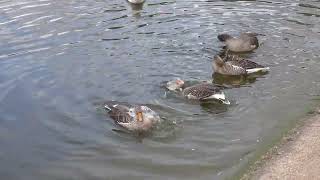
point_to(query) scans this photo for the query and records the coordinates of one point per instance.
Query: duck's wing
(201, 91)
(119, 112)
(241, 62)
(232, 57)
(247, 64)
(234, 68)
(250, 38)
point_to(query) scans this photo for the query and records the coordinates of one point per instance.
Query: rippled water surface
(59, 60)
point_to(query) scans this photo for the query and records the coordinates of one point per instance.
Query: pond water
(60, 60)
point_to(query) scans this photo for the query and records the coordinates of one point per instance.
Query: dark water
(60, 59)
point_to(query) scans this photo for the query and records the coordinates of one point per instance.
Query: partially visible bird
(136, 1)
(202, 91)
(132, 117)
(246, 42)
(234, 65)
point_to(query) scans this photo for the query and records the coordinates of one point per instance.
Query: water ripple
(57, 58)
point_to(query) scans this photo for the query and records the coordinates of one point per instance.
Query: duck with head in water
(246, 42)
(132, 117)
(234, 65)
(201, 92)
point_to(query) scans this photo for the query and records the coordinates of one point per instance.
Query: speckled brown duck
(202, 91)
(234, 65)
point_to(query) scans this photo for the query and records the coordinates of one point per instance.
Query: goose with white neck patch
(201, 92)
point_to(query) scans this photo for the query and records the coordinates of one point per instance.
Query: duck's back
(119, 112)
(229, 68)
(241, 62)
(200, 91)
(246, 64)
(243, 43)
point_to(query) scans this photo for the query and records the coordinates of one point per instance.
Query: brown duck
(132, 117)
(246, 42)
(202, 91)
(234, 65)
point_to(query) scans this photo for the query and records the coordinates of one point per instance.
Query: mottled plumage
(120, 113)
(202, 91)
(241, 62)
(233, 65)
(132, 117)
(244, 43)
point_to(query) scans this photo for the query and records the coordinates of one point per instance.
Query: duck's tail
(110, 105)
(107, 107)
(256, 70)
(222, 97)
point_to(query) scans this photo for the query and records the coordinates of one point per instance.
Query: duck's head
(174, 85)
(224, 37)
(146, 118)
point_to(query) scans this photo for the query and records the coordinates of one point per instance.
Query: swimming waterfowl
(201, 92)
(132, 117)
(234, 65)
(246, 42)
(136, 1)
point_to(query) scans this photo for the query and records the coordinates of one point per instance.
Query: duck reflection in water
(213, 107)
(228, 80)
(136, 7)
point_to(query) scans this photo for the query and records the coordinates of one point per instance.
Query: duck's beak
(139, 116)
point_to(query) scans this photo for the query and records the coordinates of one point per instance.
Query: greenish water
(59, 60)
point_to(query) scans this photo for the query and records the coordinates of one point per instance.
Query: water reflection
(236, 81)
(308, 5)
(136, 9)
(59, 57)
(214, 107)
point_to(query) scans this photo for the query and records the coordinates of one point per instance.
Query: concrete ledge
(298, 156)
